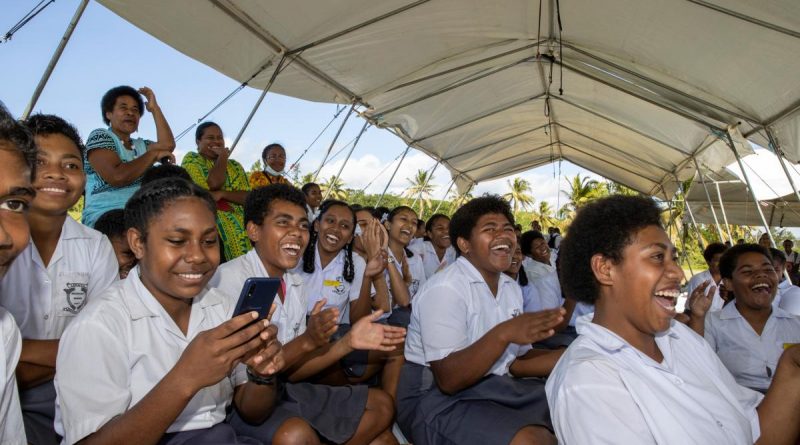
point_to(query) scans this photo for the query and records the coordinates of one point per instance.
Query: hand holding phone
(257, 295)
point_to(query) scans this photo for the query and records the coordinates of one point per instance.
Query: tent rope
(25, 19)
(382, 171)
(336, 115)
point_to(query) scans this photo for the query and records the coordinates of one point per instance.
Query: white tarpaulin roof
(646, 83)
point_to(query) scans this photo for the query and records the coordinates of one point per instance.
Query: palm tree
(615, 188)
(459, 199)
(336, 187)
(519, 194)
(305, 179)
(582, 190)
(256, 167)
(544, 213)
(420, 189)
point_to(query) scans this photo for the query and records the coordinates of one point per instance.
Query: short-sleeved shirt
(329, 283)
(545, 278)
(44, 300)
(289, 315)
(417, 270)
(430, 260)
(455, 309)
(260, 179)
(121, 347)
(100, 195)
(12, 431)
(751, 358)
(603, 390)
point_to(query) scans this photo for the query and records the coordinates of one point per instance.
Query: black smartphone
(257, 295)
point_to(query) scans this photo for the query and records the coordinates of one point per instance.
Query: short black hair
(268, 148)
(111, 223)
(19, 136)
(110, 99)
(307, 187)
(258, 201)
(378, 212)
(605, 226)
(727, 264)
(777, 255)
(198, 133)
(165, 171)
(467, 216)
(713, 249)
(49, 124)
(527, 238)
(420, 223)
(150, 200)
(432, 220)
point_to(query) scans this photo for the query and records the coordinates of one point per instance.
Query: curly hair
(527, 239)
(311, 249)
(713, 249)
(19, 136)
(49, 124)
(727, 264)
(110, 99)
(150, 200)
(257, 204)
(165, 171)
(466, 217)
(604, 227)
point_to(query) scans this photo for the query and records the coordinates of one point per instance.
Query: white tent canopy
(648, 85)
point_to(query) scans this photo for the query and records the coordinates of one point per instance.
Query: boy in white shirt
(65, 266)
(17, 161)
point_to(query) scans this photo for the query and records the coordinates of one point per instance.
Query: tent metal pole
(684, 251)
(54, 59)
(694, 224)
(341, 169)
(750, 186)
(724, 215)
(708, 197)
(445, 194)
(275, 73)
(335, 138)
(776, 148)
(427, 180)
(393, 174)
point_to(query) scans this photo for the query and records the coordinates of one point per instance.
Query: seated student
(541, 273)
(65, 266)
(636, 376)
(274, 158)
(530, 295)
(277, 223)
(211, 168)
(114, 160)
(468, 346)
(792, 260)
(750, 333)
(313, 199)
(17, 163)
(436, 250)
(785, 286)
(712, 253)
(158, 359)
(112, 225)
(419, 236)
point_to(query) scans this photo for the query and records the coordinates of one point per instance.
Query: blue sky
(106, 51)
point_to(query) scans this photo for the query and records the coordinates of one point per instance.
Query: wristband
(259, 380)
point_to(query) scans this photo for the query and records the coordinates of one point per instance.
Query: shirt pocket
(72, 293)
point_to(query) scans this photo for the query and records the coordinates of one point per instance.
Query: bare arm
(119, 174)
(536, 363)
(30, 375)
(397, 286)
(37, 362)
(255, 402)
(165, 140)
(780, 409)
(216, 176)
(236, 196)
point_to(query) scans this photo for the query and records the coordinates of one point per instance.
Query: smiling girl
(436, 251)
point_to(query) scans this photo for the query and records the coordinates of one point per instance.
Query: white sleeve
(12, 430)
(359, 267)
(93, 378)
(443, 322)
(591, 405)
(105, 268)
(710, 332)
(531, 301)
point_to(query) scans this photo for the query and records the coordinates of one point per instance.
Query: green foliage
(256, 167)
(519, 194)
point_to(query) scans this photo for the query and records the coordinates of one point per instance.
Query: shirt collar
(291, 278)
(141, 303)
(74, 230)
(475, 277)
(609, 340)
(338, 259)
(730, 312)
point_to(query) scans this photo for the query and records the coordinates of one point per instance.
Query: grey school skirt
(490, 412)
(333, 411)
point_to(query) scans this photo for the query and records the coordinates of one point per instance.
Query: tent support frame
(724, 215)
(750, 187)
(341, 169)
(452, 183)
(708, 198)
(377, 204)
(776, 148)
(275, 73)
(694, 223)
(335, 138)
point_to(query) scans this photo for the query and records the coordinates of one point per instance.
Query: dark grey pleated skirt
(38, 411)
(333, 411)
(490, 412)
(219, 434)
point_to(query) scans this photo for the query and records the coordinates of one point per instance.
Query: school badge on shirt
(76, 297)
(337, 285)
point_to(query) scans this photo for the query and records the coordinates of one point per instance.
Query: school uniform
(334, 412)
(603, 390)
(430, 260)
(121, 346)
(12, 430)
(545, 278)
(45, 300)
(789, 298)
(716, 302)
(751, 358)
(396, 315)
(329, 283)
(454, 310)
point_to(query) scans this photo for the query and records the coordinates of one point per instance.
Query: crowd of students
(454, 330)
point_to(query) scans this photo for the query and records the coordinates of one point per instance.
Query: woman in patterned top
(274, 158)
(225, 178)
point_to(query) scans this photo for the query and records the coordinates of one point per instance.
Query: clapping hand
(322, 323)
(368, 335)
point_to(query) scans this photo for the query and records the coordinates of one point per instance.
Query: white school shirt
(580, 310)
(716, 302)
(746, 354)
(44, 300)
(545, 278)
(790, 299)
(329, 283)
(531, 302)
(455, 309)
(604, 391)
(430, 260)
(417, 270)
(786, 288)
(121, 346)
(289, 316)
(12, 431)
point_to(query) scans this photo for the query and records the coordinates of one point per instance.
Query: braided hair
(150, 200)
(311, 249)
